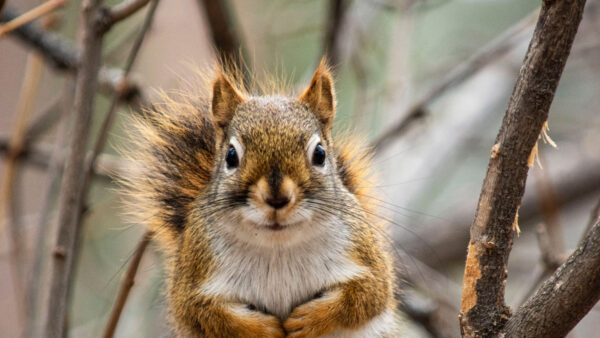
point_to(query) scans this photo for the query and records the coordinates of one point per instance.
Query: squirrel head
(275, 169)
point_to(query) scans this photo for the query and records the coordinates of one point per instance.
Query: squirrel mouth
(275, 227)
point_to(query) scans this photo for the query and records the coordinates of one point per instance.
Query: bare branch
(449, 236)
(36, 288)
(9, 206)
(31, 15)
(126, 285)
(483, 311)
(334, 21)
(594, 217)
(123, 10)
(487, 54)
(61, 55)
(71, 193)
(565, 298)
(227, 41)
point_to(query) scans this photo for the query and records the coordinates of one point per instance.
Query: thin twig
(36, 288)
(549, 205)
(9, 208)
(487, 54)
(120, 12)
(126, 285)
(61, 55)
(565, 298)
(483, 311)
(71, 193)
(31, 15)
(39, 155)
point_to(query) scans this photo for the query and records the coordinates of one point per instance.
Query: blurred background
(427, 83)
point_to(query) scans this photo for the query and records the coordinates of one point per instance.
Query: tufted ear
(225, 99)
(320, 95)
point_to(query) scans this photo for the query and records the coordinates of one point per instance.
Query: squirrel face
(274, 157)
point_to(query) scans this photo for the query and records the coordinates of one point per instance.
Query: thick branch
(563, 300)
(70, 197)
(483, 311)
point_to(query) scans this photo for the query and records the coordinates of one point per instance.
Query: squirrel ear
(225, 99)
(320, 95)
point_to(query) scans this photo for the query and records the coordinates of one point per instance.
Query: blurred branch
(39, 156)
(126, 285)
(451, 239)
(226, 39)
(594, 217)
(9, 208)
(70, 198)
(36, 288)
(487, 54)
(61, 55)
(31, 15)
(549, 206)
(334, 20)
(123, 10)
(565, 298)
(431, 315)
(483, 311)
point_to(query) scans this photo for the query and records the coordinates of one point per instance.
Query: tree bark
(562, 301)
(483, 311)
(70, 197)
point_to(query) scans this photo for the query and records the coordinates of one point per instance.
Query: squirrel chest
(276, 279)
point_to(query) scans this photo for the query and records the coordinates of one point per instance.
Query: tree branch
(492, 51)
(227, 41)
(562, 301)
(337, 8)
(483, 311)
(71, 192)
(61, 55)
(126, 285)
(31, 15)
(123, 10)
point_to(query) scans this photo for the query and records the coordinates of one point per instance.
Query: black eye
(232, 158)
(318, 157)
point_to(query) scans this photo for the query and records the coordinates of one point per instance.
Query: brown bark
(126, 285)
(337, 8)
(562, 301)
(70, 197)
(226, 39)
(483, 311)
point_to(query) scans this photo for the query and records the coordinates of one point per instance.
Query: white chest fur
(278, 278)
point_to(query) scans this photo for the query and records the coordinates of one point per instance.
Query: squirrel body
(265, 222)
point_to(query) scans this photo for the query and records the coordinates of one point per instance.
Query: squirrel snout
(278, 202)
(280, 197)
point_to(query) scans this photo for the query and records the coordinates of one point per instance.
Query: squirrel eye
(232, 158)
(318, 157)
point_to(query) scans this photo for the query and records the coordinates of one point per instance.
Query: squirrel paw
(312, 319)
(254, 323)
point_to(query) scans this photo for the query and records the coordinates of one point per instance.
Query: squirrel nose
(278, 202)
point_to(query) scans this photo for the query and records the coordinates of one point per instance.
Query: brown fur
(179, 189)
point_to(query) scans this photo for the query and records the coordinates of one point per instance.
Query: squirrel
(264, 220)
